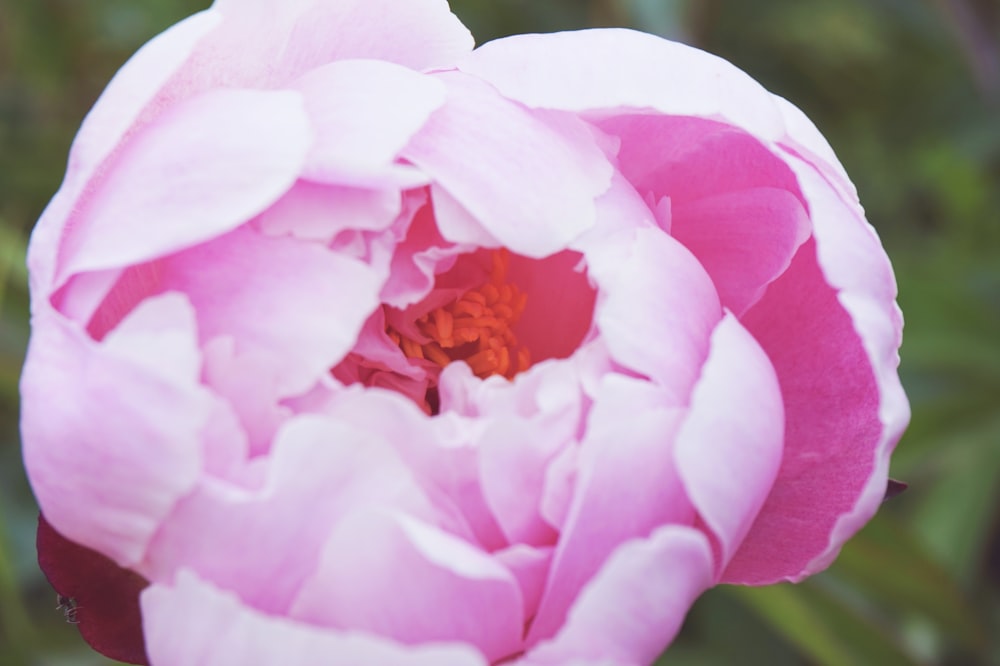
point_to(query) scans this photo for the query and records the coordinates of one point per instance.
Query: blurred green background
(907, 92)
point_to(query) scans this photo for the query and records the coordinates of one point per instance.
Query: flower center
(475, 328)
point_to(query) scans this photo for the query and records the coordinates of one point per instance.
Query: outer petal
(106, 483)
(189, 177)
(729, 447)
(294, 36)
(119, 106)
(608, 70)
(555, 168)
(635, 605)
(408, 581)
(844, 389)
(192, 622)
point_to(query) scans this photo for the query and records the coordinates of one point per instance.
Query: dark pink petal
(107, 483)
(634, 606)
(729, 447)
(441, 587)
(678, 157)
(97, 595)
(556, 169)
(192, 622)
(194, 174)
(627, 485)
(744, 239)
(845, 408)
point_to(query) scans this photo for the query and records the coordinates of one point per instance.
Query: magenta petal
(556, 169)
(831, 398)
(744, 239)
(192, 622)
(837, 368)
(442, 588)
(730, 444)
(635, 604)
(97, 595)
(194, 174)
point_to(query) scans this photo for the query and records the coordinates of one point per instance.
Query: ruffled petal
(193, 622)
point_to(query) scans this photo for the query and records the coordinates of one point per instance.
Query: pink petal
(657, 307)
(314, 211)
(602, 70)
(729, 447)
(192, 622)
(317, 471)
(845, 408)
(108, 483)
(118, 108)
(411, 582)
(290, 38)
(555, 167)
(189, 177)
(744, 239)
(279, 296)
(635, 605)
(623, 463)
(530, 566)
(679, 157)
(364, 112)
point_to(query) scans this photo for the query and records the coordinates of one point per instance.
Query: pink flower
(364, 347)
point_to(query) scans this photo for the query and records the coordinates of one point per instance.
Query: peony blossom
(353, 344)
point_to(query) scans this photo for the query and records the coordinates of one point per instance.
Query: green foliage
(908, 94)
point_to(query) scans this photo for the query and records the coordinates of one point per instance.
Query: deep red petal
(100, 597)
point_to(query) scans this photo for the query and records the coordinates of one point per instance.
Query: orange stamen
(475, 328)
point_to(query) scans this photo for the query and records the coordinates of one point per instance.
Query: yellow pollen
(475, 328)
